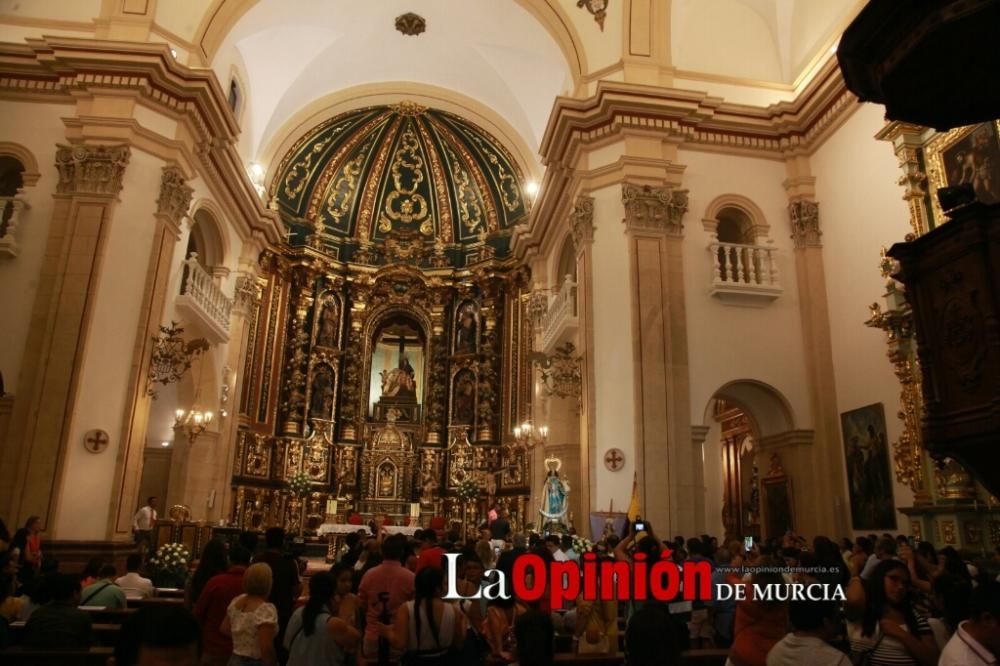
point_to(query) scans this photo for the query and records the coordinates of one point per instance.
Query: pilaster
(664, 456)
(90, 179)
(825, 468)
(581, 224)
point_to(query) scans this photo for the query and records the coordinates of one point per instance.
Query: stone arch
(768, 410)
(729, 207)
(208, 237)
(565, 262)
(30, 174)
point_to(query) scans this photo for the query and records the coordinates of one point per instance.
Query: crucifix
(96, 441)
(614, 460)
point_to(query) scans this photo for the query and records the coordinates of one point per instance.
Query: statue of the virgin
(554, 494)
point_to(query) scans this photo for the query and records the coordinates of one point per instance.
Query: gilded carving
(581, 221)
(804, 216)
(650, 208)
(94, 170)
(175, 195)
(561, 373)
(953, 482)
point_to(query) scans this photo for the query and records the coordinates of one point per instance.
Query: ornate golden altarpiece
(387, 353)
(949, 508)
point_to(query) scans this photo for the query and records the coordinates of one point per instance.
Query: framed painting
(965, 156)
(869, 479)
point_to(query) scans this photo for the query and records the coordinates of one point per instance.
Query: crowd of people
(383, 601)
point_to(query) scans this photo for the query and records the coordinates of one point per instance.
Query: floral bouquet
(169, 566)
(468, 491)
(582, 545)
(300, 484)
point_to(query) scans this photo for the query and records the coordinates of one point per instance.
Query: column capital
(804, 216)
(246, 294)
(658, 208)
(175, 195)
(91, 170)
(581, 221)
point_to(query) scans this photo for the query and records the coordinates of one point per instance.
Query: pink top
(392, 578)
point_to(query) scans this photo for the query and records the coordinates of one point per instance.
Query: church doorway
(740, 473)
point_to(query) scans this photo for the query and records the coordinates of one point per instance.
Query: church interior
(301, 264)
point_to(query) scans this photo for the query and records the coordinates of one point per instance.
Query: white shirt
(134, 585)
(794, 650)
(964, 650)
(560, 556)
(144, 518)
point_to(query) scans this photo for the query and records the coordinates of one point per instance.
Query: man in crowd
(431, 554)
(552, 542)
(814, 624)
(103, 592)
(976, 642)
(211, 608)
(499, 529)
(384, 588)
(132, 584)
(142, 525)
(566, 546)
(885, 549)
(59, 623)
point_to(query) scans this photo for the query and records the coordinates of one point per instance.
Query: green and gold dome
(403, 171)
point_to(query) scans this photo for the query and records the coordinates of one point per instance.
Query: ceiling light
(173, 52)
(531, 187)
(257, 170)
(164, 443)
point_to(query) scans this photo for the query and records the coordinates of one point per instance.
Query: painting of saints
(465, 339)
(867, 457)
(975, 160)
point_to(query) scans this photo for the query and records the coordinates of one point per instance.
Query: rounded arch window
(735, 226)
(11, 179)
(205, 241)
(566, 267)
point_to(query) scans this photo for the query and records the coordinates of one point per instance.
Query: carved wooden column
(581, 225)
(664, 456)
(293, 393)
(90, 179)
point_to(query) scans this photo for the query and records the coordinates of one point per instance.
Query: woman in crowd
(427, 629)
(485, 553)
(597, 624)
(469, 585)
(889, 633)
(214, 560)
(91, 572)
(501, 615)
(251, 621)
(760, 623)
(949, 596)
(28, 544)
(316, 635)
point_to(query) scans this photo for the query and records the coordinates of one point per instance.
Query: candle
(330, 507)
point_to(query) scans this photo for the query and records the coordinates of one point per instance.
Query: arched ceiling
(296, 51)
(400, 172)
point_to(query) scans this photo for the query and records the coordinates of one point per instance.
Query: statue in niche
(327, 334)
(465, 339)
(463, 410)
(428, 481)
(321, 400)
(386, 481)
(400, 382)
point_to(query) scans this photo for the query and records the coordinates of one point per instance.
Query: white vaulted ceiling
(298, 51)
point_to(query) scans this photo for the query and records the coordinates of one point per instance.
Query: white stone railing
(561, 315)
(11, 211)
(750, 270)
(205, 299)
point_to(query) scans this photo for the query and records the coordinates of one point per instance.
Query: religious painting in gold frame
(969, 154)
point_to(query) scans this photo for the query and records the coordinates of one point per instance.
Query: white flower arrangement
(170, 556)
(582, 545)
(300, 484)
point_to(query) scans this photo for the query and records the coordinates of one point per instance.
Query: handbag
(865, 658)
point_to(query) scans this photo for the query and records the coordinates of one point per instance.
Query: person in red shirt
(218, 593)
(431, 554)
(384, 589)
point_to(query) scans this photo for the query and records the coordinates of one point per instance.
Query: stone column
(171, 207)
(664, 455)
(827, 468)
(581, 225)
(90, 179)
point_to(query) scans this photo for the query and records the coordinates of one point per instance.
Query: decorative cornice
(175, 195)
(65, 68)
(581, 221)
(787, 438)
(91, 170)
(654, 208)
(689, 119)
(804, 216)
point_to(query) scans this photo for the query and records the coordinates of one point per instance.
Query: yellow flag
(633, 505)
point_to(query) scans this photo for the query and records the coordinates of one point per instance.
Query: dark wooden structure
(952, 278)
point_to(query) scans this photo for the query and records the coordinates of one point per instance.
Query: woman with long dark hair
(428, 629)
(214, 560)
(315, 633)
(889, 631)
